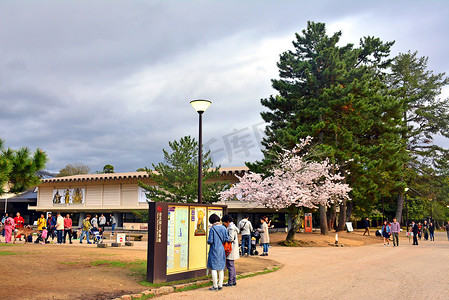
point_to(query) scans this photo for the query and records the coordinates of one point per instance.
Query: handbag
(226, 245)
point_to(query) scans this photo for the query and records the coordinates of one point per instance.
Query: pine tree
(424, 116)
(336, 94)
(177, 179)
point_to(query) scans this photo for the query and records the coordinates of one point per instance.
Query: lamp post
(406, 207)
(200, 106)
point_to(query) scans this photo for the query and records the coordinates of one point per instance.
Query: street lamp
(406, 207)
(200, 106)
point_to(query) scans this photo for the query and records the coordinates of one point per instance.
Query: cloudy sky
(109, 82)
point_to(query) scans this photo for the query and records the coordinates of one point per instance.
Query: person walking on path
(68, 228)
(3, 223)
(415, 230)
(395, 230)
(85, 231)
(264, 236)
(367, 225)
(447, 230)
(245, 229)
(419, 230)
(432, 232)
(216, 260)
(233, 237)
(9, 227)
(102, 222)
(113, 222)
(59, 227)
(386, 232)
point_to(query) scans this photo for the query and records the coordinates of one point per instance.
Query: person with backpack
(216, 260)
(246, 227)
(233, 238)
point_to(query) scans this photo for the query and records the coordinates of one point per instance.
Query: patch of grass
(138, 267)
(7, 253)
(156, 285)
(7, 245)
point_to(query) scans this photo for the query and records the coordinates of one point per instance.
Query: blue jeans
(246, 241)
(84, 233)
(265, 247)
(113, 228)
(59, 236)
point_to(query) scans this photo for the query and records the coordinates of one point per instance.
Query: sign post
(177, 240)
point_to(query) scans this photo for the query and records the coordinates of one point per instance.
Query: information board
(177, 239)
(198, 238)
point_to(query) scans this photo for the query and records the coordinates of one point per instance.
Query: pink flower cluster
(295, 181)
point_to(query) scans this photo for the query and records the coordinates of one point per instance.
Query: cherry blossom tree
(294, 183)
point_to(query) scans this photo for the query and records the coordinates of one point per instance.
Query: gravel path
(368, 272)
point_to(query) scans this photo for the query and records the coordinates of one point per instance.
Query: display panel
(69, 196)
(198, 238)
(177, 239)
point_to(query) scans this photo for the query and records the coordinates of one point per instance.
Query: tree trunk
(342, 217)
(323, 220)
(400, 207)
(296, 214)
(331, 217)
(350, 207)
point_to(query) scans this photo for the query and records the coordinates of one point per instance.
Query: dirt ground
(368, 272)
(51, 271)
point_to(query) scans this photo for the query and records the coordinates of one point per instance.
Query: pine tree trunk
(350, 207)
(296, 215)
(400, 207)
(323, 220)
(342, 217)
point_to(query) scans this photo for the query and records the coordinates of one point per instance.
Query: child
(44, 235)
(233, 237)
(217, 258)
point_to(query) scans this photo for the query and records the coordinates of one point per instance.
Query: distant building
(117, 193)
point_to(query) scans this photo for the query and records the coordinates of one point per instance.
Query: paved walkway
(368, 272)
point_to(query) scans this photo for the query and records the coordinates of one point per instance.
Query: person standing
(59, 227)
(245, 228)
(233, 237)
(102, 222)
(9, 227)
(425, 230)
(415, 230)
(85, 231)
(51, 227)
(386, 232)
(94, 223)
(395, 230)
(68, 228)
(264, 236)
(3, 223)
(113, 222)
(367, 225)
(447, 230)
(41, 224)
(432, 232)
(419, 230)
(216, 260)
(20, 223)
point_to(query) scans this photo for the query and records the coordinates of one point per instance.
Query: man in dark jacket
(367, 225)
(51, 227)
(415, 230)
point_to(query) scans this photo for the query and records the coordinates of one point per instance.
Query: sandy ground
(368, 272)
(53, 271)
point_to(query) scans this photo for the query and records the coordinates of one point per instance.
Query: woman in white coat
(233, 237)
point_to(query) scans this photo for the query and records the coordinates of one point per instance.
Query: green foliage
(337, 95)
(73, 169)
(18, 168)
(177, 178)
(107, 169)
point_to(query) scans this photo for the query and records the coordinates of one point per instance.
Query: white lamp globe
(200, 105)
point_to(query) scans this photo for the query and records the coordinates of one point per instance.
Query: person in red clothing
(68, 228)
(20, 223)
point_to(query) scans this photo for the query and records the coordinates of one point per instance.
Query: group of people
(9, 224)
(58, 227)
(221, 257)
(418, 229)
(96, 226)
